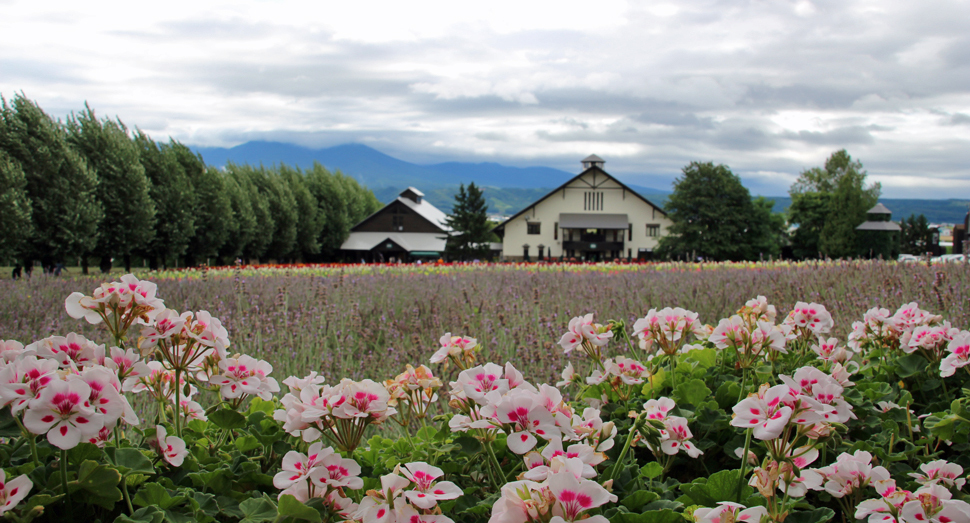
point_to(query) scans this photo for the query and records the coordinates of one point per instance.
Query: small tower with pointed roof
(593, 161)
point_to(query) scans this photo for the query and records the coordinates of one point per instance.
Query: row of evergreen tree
(88, 190)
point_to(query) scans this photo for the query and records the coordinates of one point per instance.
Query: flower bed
(651, 425)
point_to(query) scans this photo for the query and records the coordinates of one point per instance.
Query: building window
(397, 221)
(555, 231)
(629, 232)
(653, 230)
(593, 201)
(532, 228)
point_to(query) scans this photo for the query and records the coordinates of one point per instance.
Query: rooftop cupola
(413, 194)
(593, 161)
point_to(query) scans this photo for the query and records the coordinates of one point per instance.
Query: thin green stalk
(498, 467)
(744, 465)
(178, 405)
(31, 439)
(626, 446)
(67, 494)
(124, 490)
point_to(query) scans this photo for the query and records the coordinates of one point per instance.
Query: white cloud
(769, 88)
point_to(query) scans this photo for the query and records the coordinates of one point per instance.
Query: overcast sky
(768, 87)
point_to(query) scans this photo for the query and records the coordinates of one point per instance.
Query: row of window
(653, 230)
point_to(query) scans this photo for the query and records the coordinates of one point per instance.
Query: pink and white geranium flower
(942, 472)
(765, 411)
(13, 492)
(171, 448)
(63, 412)
(959, 354)
(427, 489)
(728, 511)
(245, 375)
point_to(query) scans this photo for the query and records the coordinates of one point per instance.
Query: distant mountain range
(507, 189)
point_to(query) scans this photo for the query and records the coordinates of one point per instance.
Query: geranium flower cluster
(666, 330)
(810, 399)
(320, 473)
(674, 437)
(395, 503)
(416, 389)
(339, 413)
(583, 333)
(491, 398)
(564, 496)
(807, 321)
(63, 388)
(848, 477)
(118, 304)
(460, 350)
(751, 332)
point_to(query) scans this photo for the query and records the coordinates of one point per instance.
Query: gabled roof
(573, 179)
(593, 158)
(427, 211)
(424, 209)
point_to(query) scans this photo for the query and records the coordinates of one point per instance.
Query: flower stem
(31, 439)
(67, 494)
(626, 446)
(744, 465)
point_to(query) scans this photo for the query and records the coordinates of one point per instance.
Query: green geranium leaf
(143, 515)
(911, 364)
(706, 358)
(247, 443)
(692, 393)
(129, 460)
(292, 507)
(638, 499)
(228, 419)
(818, 515)
(258, 509)
(154, 494)
(651, 470)
(84, 451)
(100, 483)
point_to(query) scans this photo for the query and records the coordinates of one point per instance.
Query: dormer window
(413, 194)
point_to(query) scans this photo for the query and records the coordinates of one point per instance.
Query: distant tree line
(715, 218)
(89, 190)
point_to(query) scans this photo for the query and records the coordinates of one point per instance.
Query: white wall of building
(576, 197)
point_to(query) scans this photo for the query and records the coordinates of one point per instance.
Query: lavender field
(368, 322)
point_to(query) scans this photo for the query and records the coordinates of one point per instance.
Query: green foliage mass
(128, 224)
(829, 203)
(714, 218)
(61, 188)
(471, 229)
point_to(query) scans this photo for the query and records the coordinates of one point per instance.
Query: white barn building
(592, 217)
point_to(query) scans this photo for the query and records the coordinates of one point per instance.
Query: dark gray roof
(878, 226)
(879, 209)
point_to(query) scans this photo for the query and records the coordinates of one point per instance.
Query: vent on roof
(413, 194)
(593, 161)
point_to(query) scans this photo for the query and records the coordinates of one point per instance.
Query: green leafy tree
(174, 198)
(309, 222)
(15, 224)
(264, 224)
(62, 190)
(213, 209)
(123, 189)
(243, 226)
(830, 203)
(713, 216)
(282, 206)
(342, 203)
(470, 228)
(915, 235)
